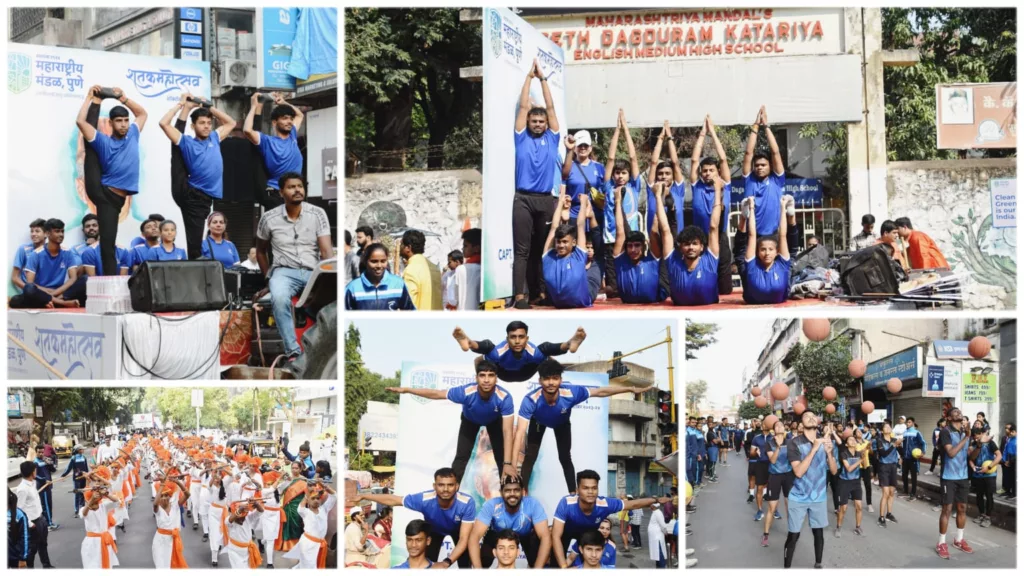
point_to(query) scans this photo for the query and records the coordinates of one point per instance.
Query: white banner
(428, 431)
(510, 47)
(79, 346)
(142, 420)
(45, 177)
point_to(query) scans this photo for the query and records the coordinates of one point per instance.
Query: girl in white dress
(218, 513)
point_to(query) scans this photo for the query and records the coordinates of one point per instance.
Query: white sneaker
(691, 562)
(690, 551)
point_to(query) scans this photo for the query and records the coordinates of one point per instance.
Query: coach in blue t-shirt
(523, 515)
(280, 149)
(484, 404)
(516, 357)
(197, 168)
(692, 266)
(51, 274)
(448, 511)
(637, 272)
(766, 265)
(812, 461)
(565, 264)
(550, 406)
(537, 162)
(111, 162)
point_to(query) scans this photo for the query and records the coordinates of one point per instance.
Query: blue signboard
(905, 365)
(278, 27)
(191, 41)
(806, 191)
(951, 349)
(936, 379)
(191, 14)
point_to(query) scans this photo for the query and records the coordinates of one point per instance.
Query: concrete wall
(951, 202)
(439, 202)
(881, 339)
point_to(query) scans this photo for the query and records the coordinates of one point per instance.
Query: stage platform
(137, 346)
(733, 301)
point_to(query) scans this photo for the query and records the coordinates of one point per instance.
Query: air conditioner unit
(234, 72)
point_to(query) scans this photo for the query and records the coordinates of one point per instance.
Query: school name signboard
(695, 33)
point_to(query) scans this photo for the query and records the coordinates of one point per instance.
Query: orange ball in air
(979, 347)
(817, 329)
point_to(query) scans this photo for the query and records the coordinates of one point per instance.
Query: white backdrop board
(45, 177)
(79, 346)
(510, 46)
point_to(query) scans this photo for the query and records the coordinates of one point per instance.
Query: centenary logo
(495, 33)
(423, 379)
(19, 72)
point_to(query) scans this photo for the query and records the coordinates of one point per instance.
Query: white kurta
(214, 518)
(163, 545)
(92, 547)
(656, 530)
(237, 555)
(194, 490)
(270, 520)
(314, 524)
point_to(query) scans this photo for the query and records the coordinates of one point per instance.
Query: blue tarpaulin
(806, 191)
(315, 49)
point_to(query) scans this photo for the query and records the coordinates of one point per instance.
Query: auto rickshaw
(62, 446)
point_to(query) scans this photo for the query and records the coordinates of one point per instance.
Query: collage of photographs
(589, 254)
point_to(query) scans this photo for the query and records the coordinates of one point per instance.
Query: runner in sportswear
(811, 457)
(955, 486)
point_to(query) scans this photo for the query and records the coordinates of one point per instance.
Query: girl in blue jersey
(692, 263)
(216, 245)
(166, 250)
(766, 278)
(851, 456)
(376, 288)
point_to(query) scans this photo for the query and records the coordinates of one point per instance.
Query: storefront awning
(384, 469)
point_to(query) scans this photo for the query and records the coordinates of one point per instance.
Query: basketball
(979, 347)
(689, 491)
(867, 407)
(770, 420)
(817, 329)
(780, 391)
(857, 368)
(829, 393)
(799, 408)
(830, 409)
(916, 453)
(760, 402)
(894, 385)
(755, 391)
(847, 433)
(987, 467)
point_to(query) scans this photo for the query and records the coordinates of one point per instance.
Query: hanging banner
(428, 432)
(275, 32)
(510, 46)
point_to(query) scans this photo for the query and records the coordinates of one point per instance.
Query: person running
(37, 234)
(51, 274)
(417, 542)
(216, 245)
(564, 265)
(550, 406)
(166, 250)
(780, 475)
(811, 457)
(279, 149)
(637, 271)
(912, 440)
(484, 405)
(888, 449)
(984, 458)
(670, 175)
(448, 512)
(767, 265)
(522, 515)
(377, 288)
(748, 440)
(516, 358)
(725, 433)
(609, 555)
(625, 175)
(692, 257)
(703, 173)
(536, 160)
(759, 450)
(955, 486)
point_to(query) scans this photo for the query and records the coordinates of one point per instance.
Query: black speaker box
(178, 286)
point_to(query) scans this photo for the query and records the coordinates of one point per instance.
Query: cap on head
(583, 138)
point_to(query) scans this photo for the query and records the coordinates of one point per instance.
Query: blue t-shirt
(139, 254)
(849, 459)
(953, 467)
(80, 249)
(137, 241)
(537, 160)
(280, 155)
(531, 357)
(405, 565)
(495, 516)
(761, 443)
(390, 294)
(769, 286)
(92, 257)
(535, 407)
(693, 287)
(223, 251)
(21, 258)
(566, 279)
(480, 411)
(158, 253)
(630, 207)
(568, 511)
(767, 196)
(678, 192)
(781, 464)
(576, 184)
(607, 557)
(119, 159)
(445, 522)
(886, 450)
(205, 164)
(638, 284)
(704, 200)
(809, 488)
(51, 271)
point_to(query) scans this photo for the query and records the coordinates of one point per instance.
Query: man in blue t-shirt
(197, 168)
(279, 149)
(565, 265)
(524, 515)
(93, 265)
(577, 513)
(760, 445)
(702, 181)
(637, 273)
(484, 404)
(448, 512)
(51, 274)
(550, 406)
(692, 266)
(38, 236)
(764, 180)
(516, 357)
(955, 485)
(536, 163)
(111, 162)
(417, 540)
(91, 231)
(812, 460)
(984, 458)
(674, 189)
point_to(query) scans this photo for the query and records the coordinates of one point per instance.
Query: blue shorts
(817, 511)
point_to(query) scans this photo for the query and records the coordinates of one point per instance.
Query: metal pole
(671, 384)
(197, 419)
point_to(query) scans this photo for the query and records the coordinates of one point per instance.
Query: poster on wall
(1004, 202)
(52, 82)
(980, 384)
(976, 115)
(510, 46)
(421, 452)
(942, 380)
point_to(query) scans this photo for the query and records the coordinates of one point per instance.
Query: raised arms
(652, 172)
(634, 165)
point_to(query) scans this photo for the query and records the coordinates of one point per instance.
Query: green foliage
(175, 406)
(821, 364)
(361, 386)
(695, 393)
(361, 461)
(748, 411)
(266, 398)
(699, 335)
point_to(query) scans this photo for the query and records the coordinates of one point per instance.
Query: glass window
(156, 43)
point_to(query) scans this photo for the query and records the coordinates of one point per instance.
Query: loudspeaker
(178, 286)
